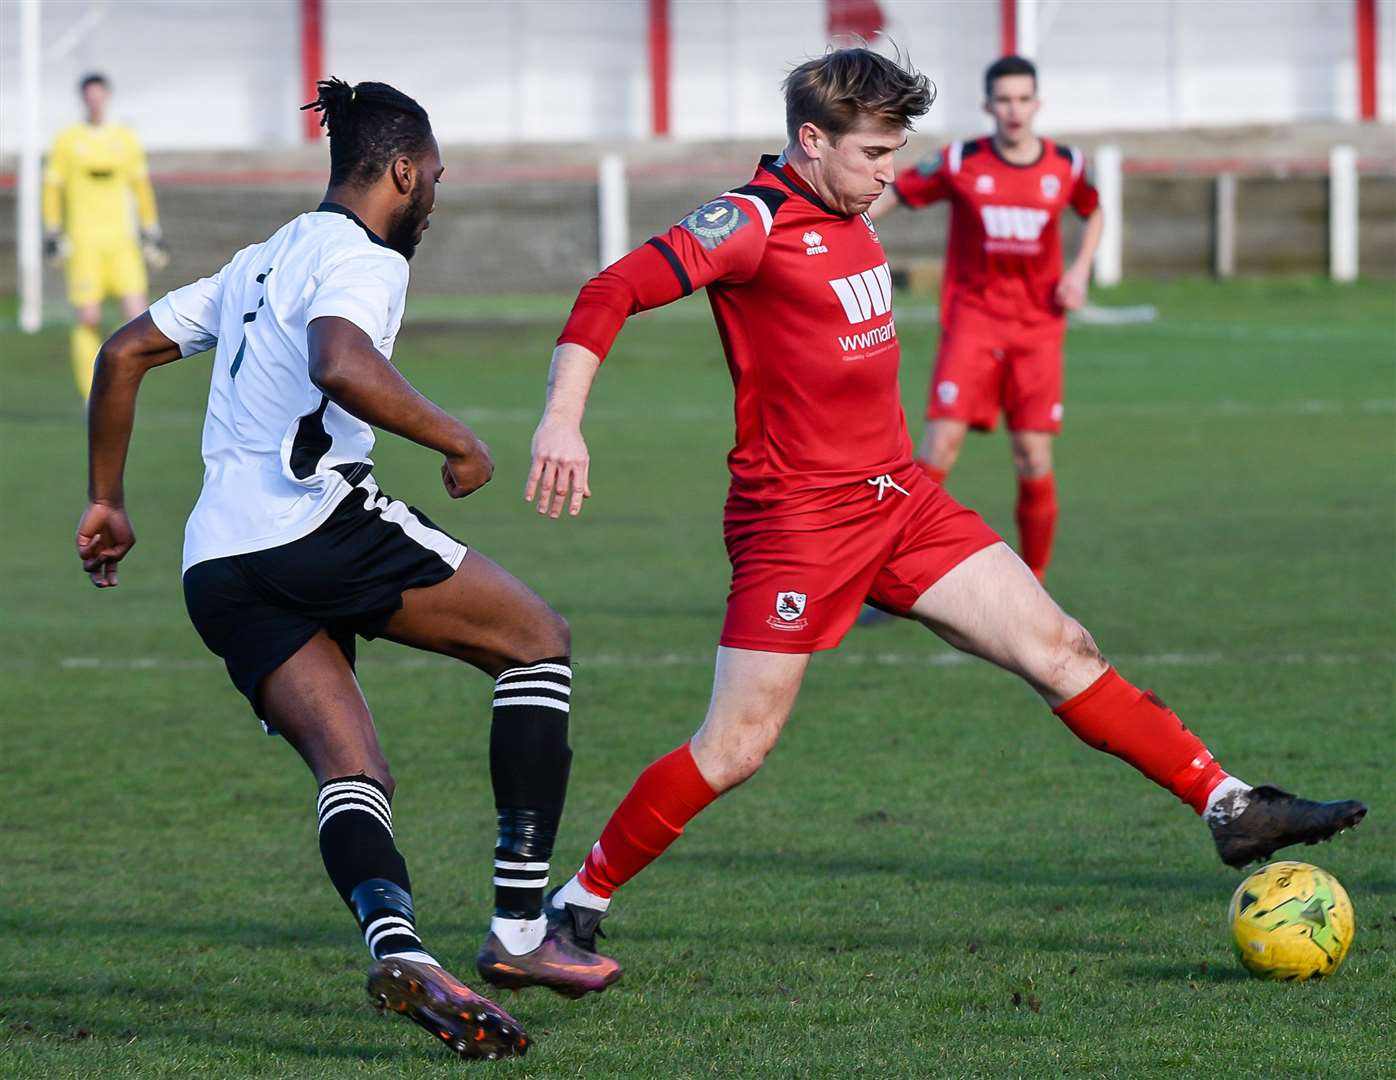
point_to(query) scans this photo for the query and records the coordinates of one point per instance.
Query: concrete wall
(492, 236)
(206, 73)
(186, 74)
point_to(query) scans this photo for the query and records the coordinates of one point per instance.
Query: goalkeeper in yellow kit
(93, 173)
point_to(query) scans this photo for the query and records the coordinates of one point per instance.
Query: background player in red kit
(827, 507)
(1005, 297)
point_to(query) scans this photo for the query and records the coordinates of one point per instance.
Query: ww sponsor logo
(865, 295)
(1013, 222)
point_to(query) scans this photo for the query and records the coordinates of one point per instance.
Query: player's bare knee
(1031, 462)
(741, 763)
(731, 748)
(1073, 653)
(747, 766)
(338, 766)
(547, 636)
(557, 635)
(944, 460)
(945, 449)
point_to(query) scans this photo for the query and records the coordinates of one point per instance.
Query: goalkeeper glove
(157, 256)
(56, 247)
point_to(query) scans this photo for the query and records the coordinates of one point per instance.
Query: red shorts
(986, 364)
(798, 582)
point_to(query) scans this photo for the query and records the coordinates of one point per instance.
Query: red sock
(1136, 726)
(1037, 521)
(938, 475)
(665, 798)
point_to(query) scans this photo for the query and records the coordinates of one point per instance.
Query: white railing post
(613, 209)
(28, 232)
(1342, 213)
(1109, 180)
(1224, 227)
(1025, 28)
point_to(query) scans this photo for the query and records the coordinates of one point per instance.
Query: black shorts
(347, 577)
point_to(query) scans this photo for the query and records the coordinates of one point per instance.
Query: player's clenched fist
(104, 537)
(464, 473)
(1071, 290)
(558, 476)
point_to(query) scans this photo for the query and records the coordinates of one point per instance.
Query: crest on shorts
(714, 222)
(790, 605)
(947, 392)
(1051, 186)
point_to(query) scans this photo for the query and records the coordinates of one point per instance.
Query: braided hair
(370, 125)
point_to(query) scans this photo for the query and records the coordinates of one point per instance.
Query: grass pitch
(929, 878)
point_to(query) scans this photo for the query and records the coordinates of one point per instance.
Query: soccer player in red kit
(827, 507)
(1005, 296)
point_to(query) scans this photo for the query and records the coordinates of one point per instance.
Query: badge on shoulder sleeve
(714, 222)
(930, 166)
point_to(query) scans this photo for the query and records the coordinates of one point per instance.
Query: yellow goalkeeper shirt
(90, 179)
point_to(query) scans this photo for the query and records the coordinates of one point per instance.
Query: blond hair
(836, 90)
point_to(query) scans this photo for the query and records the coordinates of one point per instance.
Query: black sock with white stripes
(356, 842)
(529, 764)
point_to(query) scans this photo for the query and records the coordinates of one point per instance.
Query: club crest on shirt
(790, 610)
(714, 222)
(1051, 186)
(984, 184)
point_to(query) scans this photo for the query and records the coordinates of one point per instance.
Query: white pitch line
(663, 660)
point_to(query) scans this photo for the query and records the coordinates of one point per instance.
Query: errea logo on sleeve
(866, 294)
(814, 244)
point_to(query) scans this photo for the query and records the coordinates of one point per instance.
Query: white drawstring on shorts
(883, 482)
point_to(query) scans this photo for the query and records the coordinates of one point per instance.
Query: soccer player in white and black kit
(292, 550)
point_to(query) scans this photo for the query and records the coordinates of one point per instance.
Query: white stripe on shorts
(396, 511)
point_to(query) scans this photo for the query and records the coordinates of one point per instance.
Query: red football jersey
(803, 302)
(1004, 253)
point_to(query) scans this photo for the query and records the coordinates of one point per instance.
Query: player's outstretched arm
(558, 474)
(928, 182)
(359, 379)
(665, 268)
(104, 534)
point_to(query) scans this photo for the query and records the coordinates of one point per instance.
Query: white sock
(1226, 801)
(519, 936)
(574, 892)
(415, 955)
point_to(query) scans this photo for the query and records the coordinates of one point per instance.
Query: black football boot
(1272, 819)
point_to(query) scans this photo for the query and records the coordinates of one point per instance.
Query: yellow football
(1291, 921)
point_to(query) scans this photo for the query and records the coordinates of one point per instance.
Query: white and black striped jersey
(278, 455)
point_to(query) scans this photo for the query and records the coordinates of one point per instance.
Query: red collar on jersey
(777, 167)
